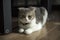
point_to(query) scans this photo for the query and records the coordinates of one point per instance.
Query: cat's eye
(29, 16)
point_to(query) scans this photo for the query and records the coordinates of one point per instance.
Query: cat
(31, 19)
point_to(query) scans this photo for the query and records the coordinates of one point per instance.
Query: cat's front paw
(21, 30)
(28, 31)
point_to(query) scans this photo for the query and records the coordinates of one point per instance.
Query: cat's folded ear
(32, 8)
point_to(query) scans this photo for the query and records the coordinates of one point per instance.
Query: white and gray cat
(31, 19)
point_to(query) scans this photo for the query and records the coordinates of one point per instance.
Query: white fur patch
(33, 27)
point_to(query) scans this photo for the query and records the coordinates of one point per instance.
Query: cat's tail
(45, 15)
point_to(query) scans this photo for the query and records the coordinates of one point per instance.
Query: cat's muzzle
(25, 23)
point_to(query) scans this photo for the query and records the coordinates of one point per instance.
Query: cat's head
(26, 15)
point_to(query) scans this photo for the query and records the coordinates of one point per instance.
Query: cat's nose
(27, 19)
